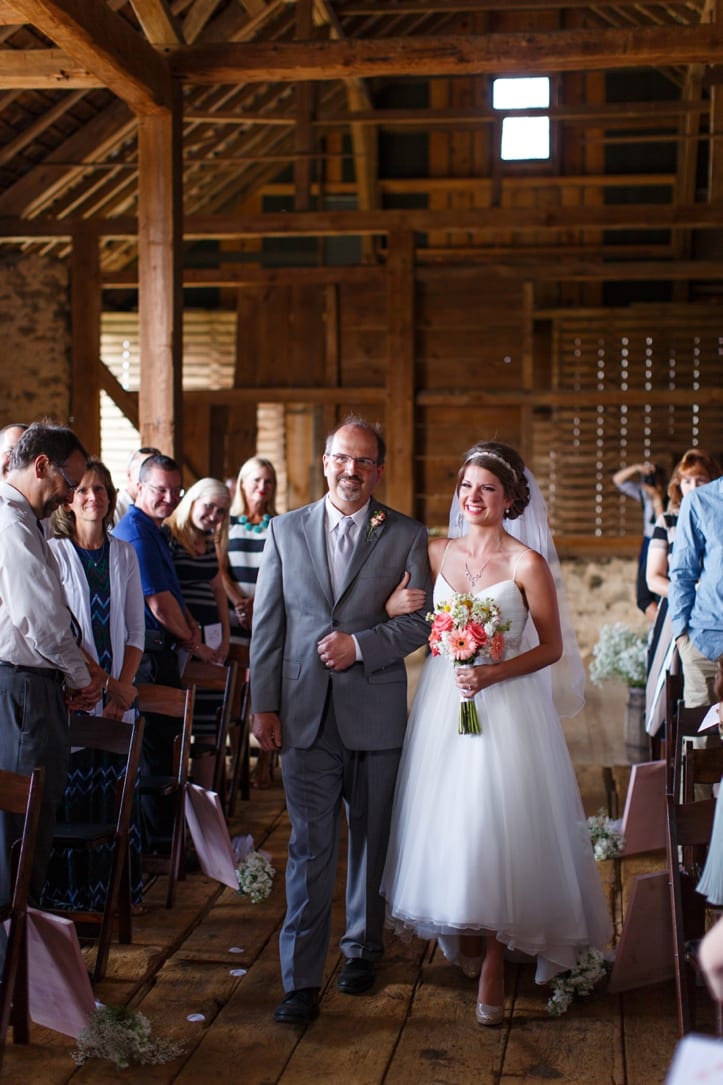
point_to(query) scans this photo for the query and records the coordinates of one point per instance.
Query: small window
(523, 137)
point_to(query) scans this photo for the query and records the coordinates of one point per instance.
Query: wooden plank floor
(417, 1026)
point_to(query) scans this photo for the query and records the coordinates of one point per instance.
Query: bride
(489, 848)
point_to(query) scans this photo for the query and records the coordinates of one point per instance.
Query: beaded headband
(491, 454)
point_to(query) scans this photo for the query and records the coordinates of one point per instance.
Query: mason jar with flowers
(621, 653)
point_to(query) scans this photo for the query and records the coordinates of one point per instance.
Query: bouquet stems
(468, 719)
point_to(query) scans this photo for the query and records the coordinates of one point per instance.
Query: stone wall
(601, 592)
(35, 320)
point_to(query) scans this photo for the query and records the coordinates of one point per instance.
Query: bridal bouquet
(467, 630)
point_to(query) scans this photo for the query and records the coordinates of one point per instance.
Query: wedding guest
(253, 506)
(39, 655)
(102, 584)
(645, 483)
(520, 873)
(168, 628)
(9, 437)
(695, 595)
(197, 530)
(695, 468)
(127, 496)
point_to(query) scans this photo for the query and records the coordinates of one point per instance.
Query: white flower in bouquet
(605, 836)
(621, 653)
(256, 876)
(577, 983)
(123, 1036)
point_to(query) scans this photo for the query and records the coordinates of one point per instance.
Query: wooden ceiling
(281, 98)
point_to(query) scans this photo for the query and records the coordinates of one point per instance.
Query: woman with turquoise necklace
(102, 584)
(253, 506)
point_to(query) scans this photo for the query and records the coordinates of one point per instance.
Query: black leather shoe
(356, 977)
(299, 1007)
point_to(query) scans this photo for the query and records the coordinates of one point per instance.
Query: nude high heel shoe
(489, 1015)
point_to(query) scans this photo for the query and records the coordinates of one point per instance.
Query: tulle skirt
(488, 831)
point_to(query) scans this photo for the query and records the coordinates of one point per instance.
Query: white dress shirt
(35, 623)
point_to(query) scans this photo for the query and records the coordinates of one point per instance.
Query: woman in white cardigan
(102, 585)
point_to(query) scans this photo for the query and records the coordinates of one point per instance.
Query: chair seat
(116, 737)
(177, 705)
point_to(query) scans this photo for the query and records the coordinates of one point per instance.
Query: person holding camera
(644, 482)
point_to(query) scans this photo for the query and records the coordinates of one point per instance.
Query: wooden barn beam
(125, 401)
(44, 69)
(304, 112)
(107, 45)
(491, 54)
(458, 397)
(399, 475)
(550, 267)
(363, 137)
(157, 22)
(85, 318)
(430, 7)
(483, 222)
(159, 277)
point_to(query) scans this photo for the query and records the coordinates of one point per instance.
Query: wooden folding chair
(673, 694)
(700, 766)
(20, 796)
(689, 827)
(239, 776)
(686, 722)
(220, 679)
(123, 739)
(177, 704)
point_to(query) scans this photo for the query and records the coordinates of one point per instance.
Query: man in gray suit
(329, 689)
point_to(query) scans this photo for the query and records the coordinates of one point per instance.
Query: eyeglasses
(72, 486)
(340, 459)
(177, 492)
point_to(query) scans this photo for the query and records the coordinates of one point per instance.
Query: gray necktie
(343, 546)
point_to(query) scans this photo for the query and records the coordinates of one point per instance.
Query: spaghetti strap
(517, 562)
(444, 557)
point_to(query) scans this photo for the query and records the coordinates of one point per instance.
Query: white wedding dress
(488, 831)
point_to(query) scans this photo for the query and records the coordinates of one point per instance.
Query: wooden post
(159, 276)
(85, 303)
(400, 470)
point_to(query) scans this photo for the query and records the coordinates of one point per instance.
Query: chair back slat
(19, 795)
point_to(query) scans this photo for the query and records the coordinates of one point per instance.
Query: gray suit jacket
(294, 607)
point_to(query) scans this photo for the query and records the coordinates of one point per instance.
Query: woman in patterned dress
(102, 585)
(197, 531)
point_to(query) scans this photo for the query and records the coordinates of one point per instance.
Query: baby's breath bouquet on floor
(467, 630)
(577, 983)
(123, 1036)
(621, 653)
(605, 836)
(255, 876)
(253, 869)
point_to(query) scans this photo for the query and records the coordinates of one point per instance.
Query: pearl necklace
(258, 528)
(474, 578)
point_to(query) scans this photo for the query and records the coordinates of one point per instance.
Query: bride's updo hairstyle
(508, 466)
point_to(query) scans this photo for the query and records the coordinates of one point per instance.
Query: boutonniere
(375, 520)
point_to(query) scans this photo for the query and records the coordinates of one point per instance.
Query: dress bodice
(509, 599)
